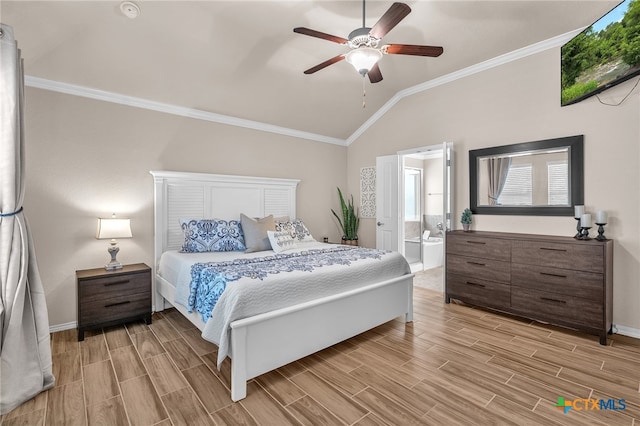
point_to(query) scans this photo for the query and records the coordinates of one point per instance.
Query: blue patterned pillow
(204, 235)
(296, 228)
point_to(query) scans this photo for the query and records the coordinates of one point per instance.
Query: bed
(264, 341)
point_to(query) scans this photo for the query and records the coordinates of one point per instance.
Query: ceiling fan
(365, 53)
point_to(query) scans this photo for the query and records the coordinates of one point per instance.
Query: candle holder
(584, 233)
(578, 229)
(601, 236)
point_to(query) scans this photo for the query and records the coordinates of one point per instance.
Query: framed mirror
(541, 178)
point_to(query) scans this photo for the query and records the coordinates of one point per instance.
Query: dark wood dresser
(113, 297)
(559, 280)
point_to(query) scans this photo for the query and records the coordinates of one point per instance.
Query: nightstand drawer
(110, 309)
(106, 287)
(110, 297)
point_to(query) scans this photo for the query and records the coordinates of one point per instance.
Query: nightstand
(113, 297)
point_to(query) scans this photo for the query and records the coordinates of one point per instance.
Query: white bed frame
(264, 342)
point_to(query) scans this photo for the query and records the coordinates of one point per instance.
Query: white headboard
(208, 196)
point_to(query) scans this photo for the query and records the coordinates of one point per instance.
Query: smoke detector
(129, 9)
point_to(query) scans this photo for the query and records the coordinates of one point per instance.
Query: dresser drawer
(588, 285)
(579, 257)
(115, 308)
(106, 287)
(474, 267)
(488, 248)
(477, 291)
(557, 307)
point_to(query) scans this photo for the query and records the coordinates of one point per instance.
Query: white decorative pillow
(255, 232)
(281, 241)
(296, 228)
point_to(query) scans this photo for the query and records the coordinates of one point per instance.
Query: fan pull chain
(364, 94)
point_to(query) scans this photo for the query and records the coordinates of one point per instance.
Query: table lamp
(112, 228)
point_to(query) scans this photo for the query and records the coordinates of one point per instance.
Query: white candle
(585, 220)
(601, 217)
(579, 211)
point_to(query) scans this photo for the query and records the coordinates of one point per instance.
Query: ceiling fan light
(363, 59)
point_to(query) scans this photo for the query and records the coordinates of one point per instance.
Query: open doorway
(414, 201)
(424, 197)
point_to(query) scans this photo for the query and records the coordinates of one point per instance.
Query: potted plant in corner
(349, 222)
(466, 219)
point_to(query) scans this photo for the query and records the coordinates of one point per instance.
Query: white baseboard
(61, 327)
(626, 331)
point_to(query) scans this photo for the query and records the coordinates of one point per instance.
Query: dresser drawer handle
(111, 305)
(116, 283)
(552, 249)
(548, 299)
(476, 284)
(476, 242)
(476, 263)
(553, 275)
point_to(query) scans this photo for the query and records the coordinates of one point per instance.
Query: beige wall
(88, 158)
(520, 102)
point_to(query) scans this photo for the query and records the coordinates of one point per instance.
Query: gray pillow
(255, 232)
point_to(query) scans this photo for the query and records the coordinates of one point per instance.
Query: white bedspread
(247, 297)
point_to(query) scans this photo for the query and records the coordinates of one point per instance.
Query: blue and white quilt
(208, 280)
(232, 286)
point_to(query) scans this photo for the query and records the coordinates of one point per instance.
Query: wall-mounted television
(603, 55)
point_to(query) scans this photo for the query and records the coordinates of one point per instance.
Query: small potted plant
(349, 222)
(466, 219)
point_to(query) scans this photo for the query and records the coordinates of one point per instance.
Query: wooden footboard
(264, 342)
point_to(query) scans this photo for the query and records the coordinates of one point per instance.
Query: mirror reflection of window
(412, 191)
(518, 188)
(532, 178)
(558, 181)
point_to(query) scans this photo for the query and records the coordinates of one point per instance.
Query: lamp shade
(363, 59)
(110, 228)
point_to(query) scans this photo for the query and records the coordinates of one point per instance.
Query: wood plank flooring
(453, 365)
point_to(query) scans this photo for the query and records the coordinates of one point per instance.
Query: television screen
(603, 55)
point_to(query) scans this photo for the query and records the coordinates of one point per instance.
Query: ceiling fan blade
(412, 49)
(375, 75)
(318, 34)
(390, 19)
(325, 64)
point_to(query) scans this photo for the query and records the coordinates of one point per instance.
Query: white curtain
(25, 354)
(498, 171)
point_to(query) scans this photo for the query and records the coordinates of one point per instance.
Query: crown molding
(101, 95)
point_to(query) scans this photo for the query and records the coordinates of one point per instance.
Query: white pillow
(281, 241)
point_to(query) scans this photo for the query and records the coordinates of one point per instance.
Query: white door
(388, 192)
(447, 187)
(447, 191)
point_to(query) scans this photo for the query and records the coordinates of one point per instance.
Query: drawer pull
(111, 305)
(476, 263)
(476, 242)
(552, 249)
(476, 284)
(116, 283)
(548, 299)
(553, 275)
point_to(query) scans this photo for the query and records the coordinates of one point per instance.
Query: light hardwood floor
(453, 365)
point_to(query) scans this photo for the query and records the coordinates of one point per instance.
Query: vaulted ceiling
(241, 58)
